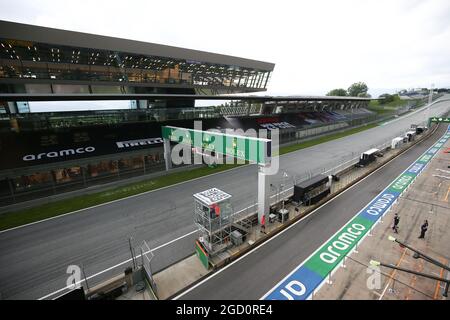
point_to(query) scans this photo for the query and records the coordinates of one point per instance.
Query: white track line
(345, 224)
(113, 201)
(138, 256)
(147, 192)
(268, 240)
(117, 265)
(424, 108)
(285, 230)
(129, 197)
(181, 237)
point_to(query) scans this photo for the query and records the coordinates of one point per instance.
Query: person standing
(263, 224)
(423, 229)
(396, 221)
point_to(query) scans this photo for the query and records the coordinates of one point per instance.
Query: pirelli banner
(253, 149)
(29, 149)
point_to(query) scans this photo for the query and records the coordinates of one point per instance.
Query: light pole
(430, 100)
(430, 96)
(276, 192)
(351, 121)
(280, 196)
(285, 175)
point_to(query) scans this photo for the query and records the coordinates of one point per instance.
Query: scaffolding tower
(213, 215)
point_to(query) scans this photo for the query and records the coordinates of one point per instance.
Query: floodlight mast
(430, 96)
(430, 100)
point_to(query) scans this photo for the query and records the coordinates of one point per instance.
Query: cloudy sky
(316, 45)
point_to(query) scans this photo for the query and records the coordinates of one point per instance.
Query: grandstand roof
(27, 32)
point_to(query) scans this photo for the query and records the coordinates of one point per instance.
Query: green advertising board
(247, 148)
(331, 253)
(437, 120)
(440, 119)
(202, 255)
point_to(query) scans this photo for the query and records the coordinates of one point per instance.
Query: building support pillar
(11, 188)
(11, 108)
(167, 153)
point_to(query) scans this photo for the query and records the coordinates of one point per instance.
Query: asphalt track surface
(257, 273)
(34, 258)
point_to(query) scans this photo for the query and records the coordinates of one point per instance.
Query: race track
(257, 273)
(34, 258)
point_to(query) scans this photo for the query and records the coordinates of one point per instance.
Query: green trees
(386, 98)
(358, 89)
(337, 92)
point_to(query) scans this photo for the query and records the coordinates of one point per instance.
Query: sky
(316, 45)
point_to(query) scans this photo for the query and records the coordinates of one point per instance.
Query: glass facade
(27, 182)
(47, 182)
(29, 60)
(66, 120)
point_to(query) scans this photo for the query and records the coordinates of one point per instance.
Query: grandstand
(36, 59)
(44, 153)
(122, 143)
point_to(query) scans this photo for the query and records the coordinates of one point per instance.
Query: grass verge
(390, 107)
(320, 140)
(41, 212)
